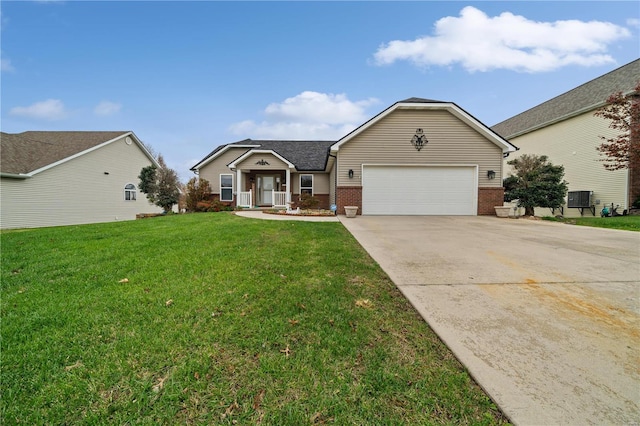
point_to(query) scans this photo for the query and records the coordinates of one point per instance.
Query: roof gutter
(557, 120)
(14, 175)
(567, 116)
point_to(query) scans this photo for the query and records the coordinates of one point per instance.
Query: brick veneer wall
(349, 196)
(488, 198)
(322, 198)
(634, 185)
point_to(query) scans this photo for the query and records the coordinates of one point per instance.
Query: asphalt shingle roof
(419, 101)
(22, 153)
(588, 96)
(305, 155)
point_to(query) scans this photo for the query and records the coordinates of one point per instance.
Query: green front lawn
(213, 318)
(626, 223)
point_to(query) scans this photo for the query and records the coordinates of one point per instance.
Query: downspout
(335, 182)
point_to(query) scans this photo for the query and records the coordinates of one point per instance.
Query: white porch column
(238, 183)
(289, 186)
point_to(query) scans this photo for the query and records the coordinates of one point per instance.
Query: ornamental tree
(160, 184)
(197, 190)
(536, 183)
(621, 151)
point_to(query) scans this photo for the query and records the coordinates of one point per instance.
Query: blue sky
(189, 76)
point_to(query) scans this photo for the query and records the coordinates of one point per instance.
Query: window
(306, 184)
(129, 192)
(226, 187)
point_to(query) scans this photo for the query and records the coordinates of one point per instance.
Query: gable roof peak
(415, 100)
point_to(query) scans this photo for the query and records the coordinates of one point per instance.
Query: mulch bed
(302, 213)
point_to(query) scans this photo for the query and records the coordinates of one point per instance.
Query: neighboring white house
(566, 130)
(68, 178)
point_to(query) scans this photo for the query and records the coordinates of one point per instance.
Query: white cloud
(633, 22)
(482, 43)
(51, 109)
(6, 66)
(107, 108)
(308, 115)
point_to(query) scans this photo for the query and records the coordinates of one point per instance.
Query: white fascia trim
(86, 151)
(143, 148)
(219, 153)
(558, 119)
(453, 108)
(481, 128)
(249, 153)
(564, 117)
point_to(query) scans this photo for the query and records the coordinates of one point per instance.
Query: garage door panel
(419, 190)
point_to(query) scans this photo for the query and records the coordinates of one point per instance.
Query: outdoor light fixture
(491, 174)
(350, 173)
(419, 140)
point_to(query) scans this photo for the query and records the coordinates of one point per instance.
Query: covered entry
(419, 190)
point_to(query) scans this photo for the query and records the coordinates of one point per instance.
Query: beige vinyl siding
(389, 142)
(572, 143)
(320, 182)
(78, 191)
(274, 162)
(215, 168)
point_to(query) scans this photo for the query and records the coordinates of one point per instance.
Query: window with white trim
(226, 187)
(306, 184)
(129, 192)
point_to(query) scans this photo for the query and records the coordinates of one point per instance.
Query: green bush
(308, 201)
(213, 206)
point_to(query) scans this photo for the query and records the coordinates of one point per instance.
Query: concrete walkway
(545, 316)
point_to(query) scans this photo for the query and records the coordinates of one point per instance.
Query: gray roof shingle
(585, 97)
(305, 155)
(415, 100)
(23, 153)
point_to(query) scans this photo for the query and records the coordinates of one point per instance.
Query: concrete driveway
(545, 316)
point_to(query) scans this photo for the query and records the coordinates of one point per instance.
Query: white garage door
(432, 190)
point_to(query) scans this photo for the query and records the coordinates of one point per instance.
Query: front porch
(279, 199)
(263, 188)
(262, 183)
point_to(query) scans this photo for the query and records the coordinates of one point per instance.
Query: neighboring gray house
(68, 178)
(566, 130)
(417, 157)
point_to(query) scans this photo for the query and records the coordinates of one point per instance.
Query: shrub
(202, 206)
(308, 201)
(212, 206)
(219, 206)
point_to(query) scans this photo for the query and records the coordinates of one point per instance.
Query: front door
(266, 184)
